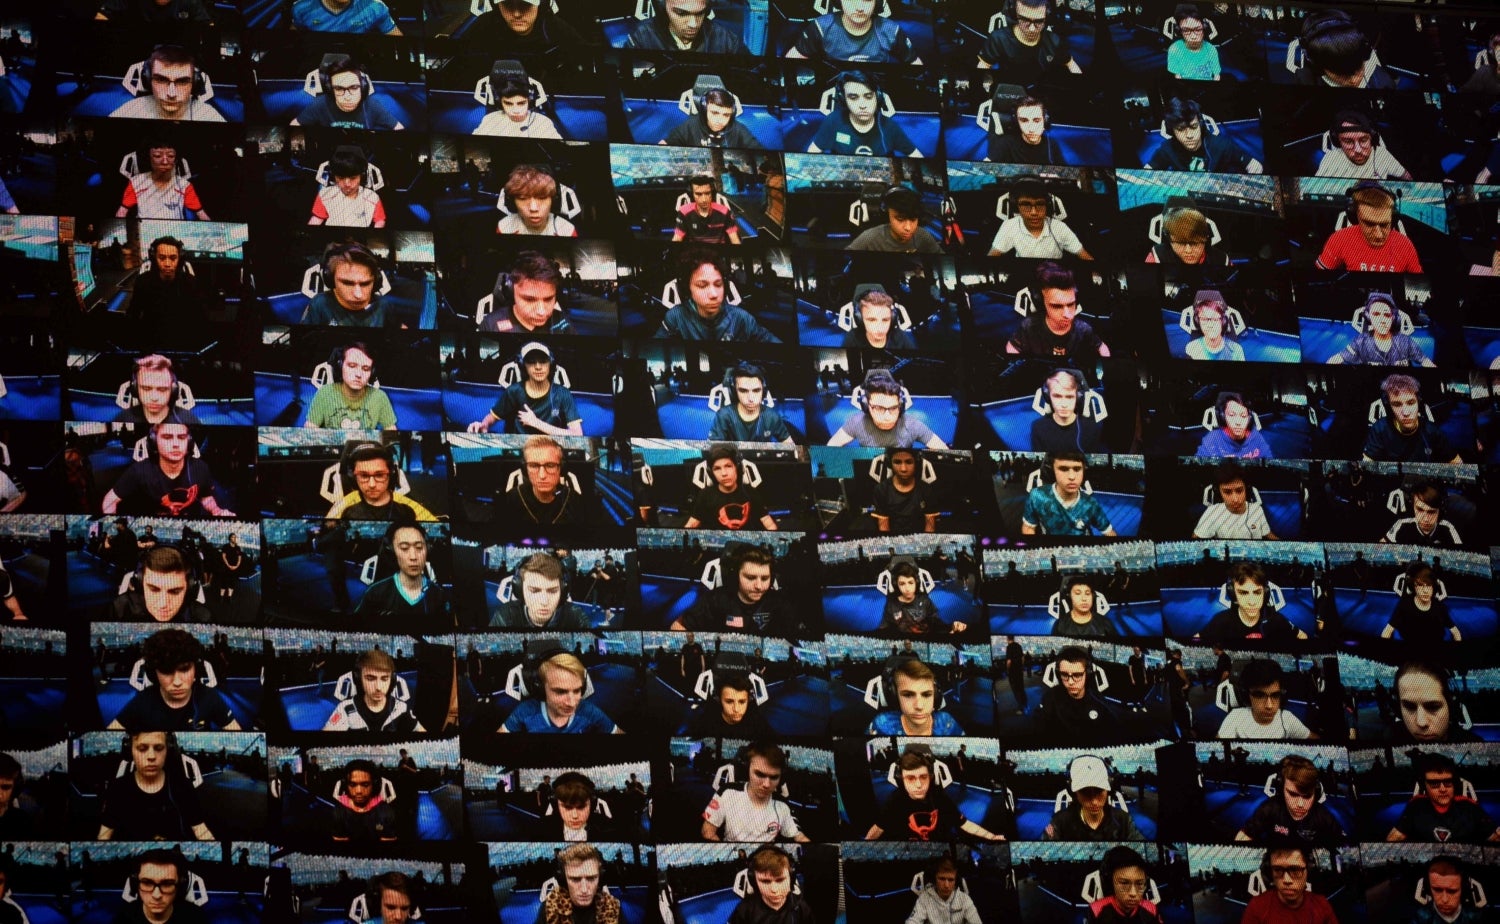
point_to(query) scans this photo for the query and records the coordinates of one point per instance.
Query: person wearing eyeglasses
(160, 879)
(1190, 57)
(1287, 899)
(1439, 813)
(374, 496)
(545, 497)
(1025, 50)
(1264, 717)
(346, 102)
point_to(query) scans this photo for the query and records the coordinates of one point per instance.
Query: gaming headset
(352, 251)
(752, 887)
(724, 395)
(135, 581)
(881, 376)
(130, 390)
(1276, 782)
(346, 460)
(338, 63)
(1331, 25)
(1351, 207)
(525, 679)
(880, 692)
(336, 361)
(371, 898)
(138, 77)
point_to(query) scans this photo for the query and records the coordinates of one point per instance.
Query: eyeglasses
(1072, 675)
(1130, 885)
(1267, 695)
(1026, 22)
(1445, 782)
(551, 468)
(352, 90)
(1282, 872)
(1191, 30)
(164, 886)
(372, 476)
(885, 408)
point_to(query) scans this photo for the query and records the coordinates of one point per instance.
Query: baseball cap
(1087, 771)
(534, 347)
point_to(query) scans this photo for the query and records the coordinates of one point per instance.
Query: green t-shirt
(330, 408)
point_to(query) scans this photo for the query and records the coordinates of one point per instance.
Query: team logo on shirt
(922, 823)
(734, 516)
(1442, 834)
(179, 499)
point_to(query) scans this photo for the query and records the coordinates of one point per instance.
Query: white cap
(535, 347)
(1086, 772)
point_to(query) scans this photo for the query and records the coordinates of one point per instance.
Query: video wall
(760, 401)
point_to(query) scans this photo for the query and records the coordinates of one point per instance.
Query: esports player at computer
(1032, 232)
(903, 502)
(746, 419)
(408, 601)
(361, 815)
(902, 231)
(351, 273)
(535, 404)
(1025, 50)
(883, 420)
(705, 312)
(713, 125)
(745, 601)
(1192, 149)
(531, 192)
(161, 592)
(684, 25)
(909, 611)
(1295, 811)
(522, 26)
(1250, 618)
(538, 599)
(855, 33)
(172, 75)
(1028, 141)
(350, 17)
(351, 401)
(346, 203)
(1064, 428)
(154, 800)
(168, 481)
(727, 503)
(1358, 153)
(733, 712)
(154, 387)
(160, 191)
(346, 101)
(544, 497)
(874, 310)
(535, 280)
(374, 707)
(1404, 434)
(175, 700)
(516, 117)
(165, 301)
(1053, 329)
(1337, 53)
(374, 497)
(1370, 243)
(857, 126)
(702, 220)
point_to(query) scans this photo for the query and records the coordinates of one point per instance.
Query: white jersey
(358, 211)
(1218, 523)
(498, 125)
(743, 820)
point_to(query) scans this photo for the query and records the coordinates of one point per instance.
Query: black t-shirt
(1271, 822)
(144, 489)
(1034, 338)
(919, 617)
(565, 508)
(739, 509)
(131, 607)
(1419, 628)
(183, 912)
(1022, 64)
(1017, 659)
(147, 711)
(907, 510)
(692, 658)
(722, 610)
(1465, 822)
(383, 608)
(566, 618)
(1217, 155)
(168, 814)
(364, 827)
(1010, 149)
(934, 819)
(1226, 628)
(1082, 435)
(708, 722)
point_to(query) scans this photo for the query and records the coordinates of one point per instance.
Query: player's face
(1073, 675)
(1189, 250)
(1424, 711)
(1130, 884)
(1289, 870)
(862, 102)
(576, 817)
(176, 685)
(906, 589)
(535, 301)
(154, 387)
(1375, 225)
(347, 90)
(1091, 802)
(542, 596)
(1033, 211)
(1447, 893)
(775, 887)
(706, 288)
(360, 788)
(1192, 33)
(1211, 323)
(373, 479)
(411, 552)
(726, 474)
(1069, 477)
(583, 882)
(395, 908)
(885, 410)
(172, 442)
(1030, 21)
(164, 592)
(1082, 599)
(1233, 496)
(876, 320)
(165, 259)
(1423, 591)
(1439, 785)
(1250, 597)
(685, 18)
(748, 393)
(1299, 801)
(945, 883)
(539, 370)
(163, 160)
(1032, 123)
(172, 87)
(376, 686)
(1189, 135)
(1237, 419)
(916, 782)
(903, 227)
(703, 198)
(353, 284)
(733, 704)
(157, 886)
(754, 581)
(7, 793)
(1426, 514)
(149, 752)
(718, 117)
(858, 13)
(563, 692)
(1380, 316)
(1357, 146)
(349, 185)
(543, 468)
(356, 369)
(519, 16)
(534, 211)
(1265, 702)
(1064, 398)
(917, 698)
(764, 779)
(904, 469)
(1061, 306)
(516, 108)
(1406, 411)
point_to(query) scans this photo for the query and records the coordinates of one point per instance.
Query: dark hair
(1350, 120)
(746, 370)
(1028, 100)
(1179, 112)
(703, 179)
(369, 452)
(1064, 455)
(536, 267)
(10, 768)
(162, 856)
(393, 881)
(1434, 762)
(1260, 672)
(1427, 668)
(688, 264)
(1053, 275)
(512, 85)
(335, 63)
(1242, 571)
(768, 751)
(1029, 186)
(358, 765)
(731, 680)
(1118, 858)
(1294, 768)
(1420, 572)
(1229, 471)
(904, 569)
(164, 559)
(718, 96)
(1077, 580)
(749, 555)
(882, 382)
(168, 649)
(573, 789)
(348, 161)
(1186, 11)
(770, 859)
(1290, 846)
(169, 240)
(718, 451)
(527, 180)
(855, 76)
(351, 252)
(1227, 398)
(1075, 653)
(1333, 42)
(168, 54)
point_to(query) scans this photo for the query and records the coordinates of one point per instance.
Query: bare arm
(709, 831)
